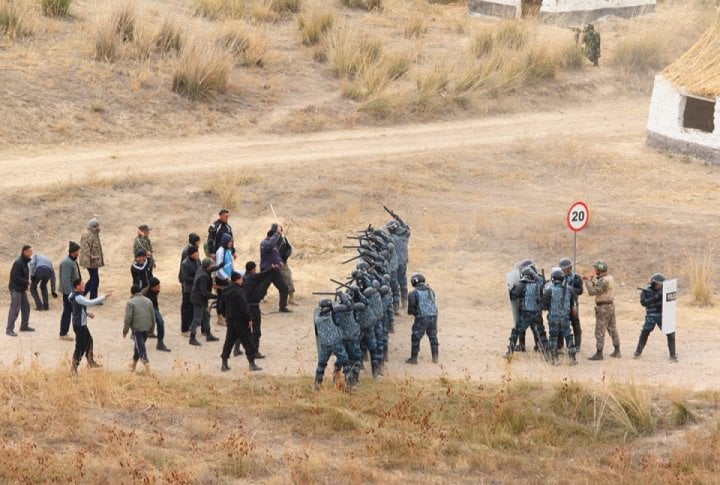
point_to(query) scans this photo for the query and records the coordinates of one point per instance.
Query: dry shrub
(431, 85)
(363, 4)
(143, 41)
(348, 53)
(216, 9)
(247, 44)
(124, 17)
(482, 42)
(375, 76)
(701, 265)
(12, 15)
(629, 407)
(202, 70)
(642, 53)
(415, 27)
(284, 8)
(513, 34)
(107, 42)
(55, 8)
(169, 37)
(313, 25)
(229, 187)
(386, 104)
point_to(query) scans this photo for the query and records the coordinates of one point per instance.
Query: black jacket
(256, 285)
(152, 296)
(202, 288)
(188, 270)
(215, 234)
(236, 307)
(141, 274)
(20, 274)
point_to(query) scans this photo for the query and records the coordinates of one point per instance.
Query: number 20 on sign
(578, 216)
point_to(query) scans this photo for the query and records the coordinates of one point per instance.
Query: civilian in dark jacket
(151, 293)
(141, 269)
(200, 296)
(188, 269)
(19, 284)
(238, 323)
(255, 285)
(69, 272)
(270, 258)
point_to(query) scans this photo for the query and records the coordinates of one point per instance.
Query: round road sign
(578, 216)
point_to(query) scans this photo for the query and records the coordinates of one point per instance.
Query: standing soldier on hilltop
(651, 297)
(591, 44)
(602, 287)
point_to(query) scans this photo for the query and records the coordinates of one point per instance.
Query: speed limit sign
(578, 216)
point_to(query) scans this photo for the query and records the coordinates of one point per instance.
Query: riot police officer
(651, 297)
(421, 304)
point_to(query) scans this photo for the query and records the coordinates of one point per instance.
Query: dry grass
(248, 44)
(284, 8)
(12, 18)
(641, 53)
(415, 26)
(169, 38)
(230, 186)
(202, 70)
(363, 4)
(55, 8)
(348, 53)
(218, 9)
(701, 265)
(314, 24)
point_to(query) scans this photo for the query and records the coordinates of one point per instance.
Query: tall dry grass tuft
(143, 41)
(701, 265)
(284, 8)
(629, 407)
(124, 17)
(230, 186)
(347, 52)
(169, 38)
(415, 27)
(314, 24)
(641, 53)
(217, 9)
(248, 45)
(107, 43)
(363, 4)
(202, 70)
(12, 15)
(55, 8)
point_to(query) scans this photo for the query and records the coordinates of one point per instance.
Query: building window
(699, 114)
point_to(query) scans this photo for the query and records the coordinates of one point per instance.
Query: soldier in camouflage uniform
(421, 304)
(601, 286)
(574, 281)
(350, 330)
(591, 44)
(330, 341)
(529, 292)
(651, 297)
(559, 301)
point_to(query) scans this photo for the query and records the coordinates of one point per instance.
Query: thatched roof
(698, 70)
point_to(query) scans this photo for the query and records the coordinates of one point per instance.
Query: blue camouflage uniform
(350, 331)
(559, 301)
(421, 304)
(330, 342)
(651, 297)
(530, 294)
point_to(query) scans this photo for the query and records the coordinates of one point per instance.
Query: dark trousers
(421, 327)
(186, 313)
(19, 304)
(93, 283)
(220, 304)
(201, 318)
(160, 325)
(279, 282)
(256, 316)
(83, 343)
(140, 350)
(40, 278)
(66, 316)
(238, 330)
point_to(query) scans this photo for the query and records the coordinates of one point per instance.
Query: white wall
(559, 6)
(666, 111)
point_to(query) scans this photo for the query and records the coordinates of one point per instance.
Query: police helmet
(384, 290)
(393, 226)
(339, 308)
(359, 306)
(565, 263)
(657, 278)
(391, 247)
(362, 265)
(557, 275)
(326, 303)
(601, 266)
(376, 284)
(369, 292)
(387, 278)
(416, 279)
(528, 274)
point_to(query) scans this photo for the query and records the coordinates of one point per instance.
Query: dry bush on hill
(415, 26)
(55, 8)
(217, 9)
(202, 70)
(363, 4)
(169, 37)
(230, 186)
(12, 18)
(642, 53)
(249, 45)
(701, 265)
(284, 8)
(315, 23)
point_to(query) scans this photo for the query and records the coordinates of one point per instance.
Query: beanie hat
(153, 282)
(140, 252)
(73, 246)
(225, 240)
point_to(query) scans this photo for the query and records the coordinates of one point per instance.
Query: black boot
(253, 366)
(194, 341)
(162, 347)
(375, 368)
(671, 347)
(209, 337)
(520, 347)
(385, 355)
(641, 343)
(598, 355)
(225, 367)
(573, 360)
(434, 351)
(616, 353)
(413, 357)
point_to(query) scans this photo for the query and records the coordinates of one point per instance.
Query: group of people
(237, 292)
(560, 298)
(356, 325)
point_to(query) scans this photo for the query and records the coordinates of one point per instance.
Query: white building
(683, 109)
(564, 12)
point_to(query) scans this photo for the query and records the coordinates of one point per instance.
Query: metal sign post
(577, 219)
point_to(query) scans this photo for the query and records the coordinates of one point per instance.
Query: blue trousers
(326, 351)
(421, 327)
(140, 351)
(561, 327)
